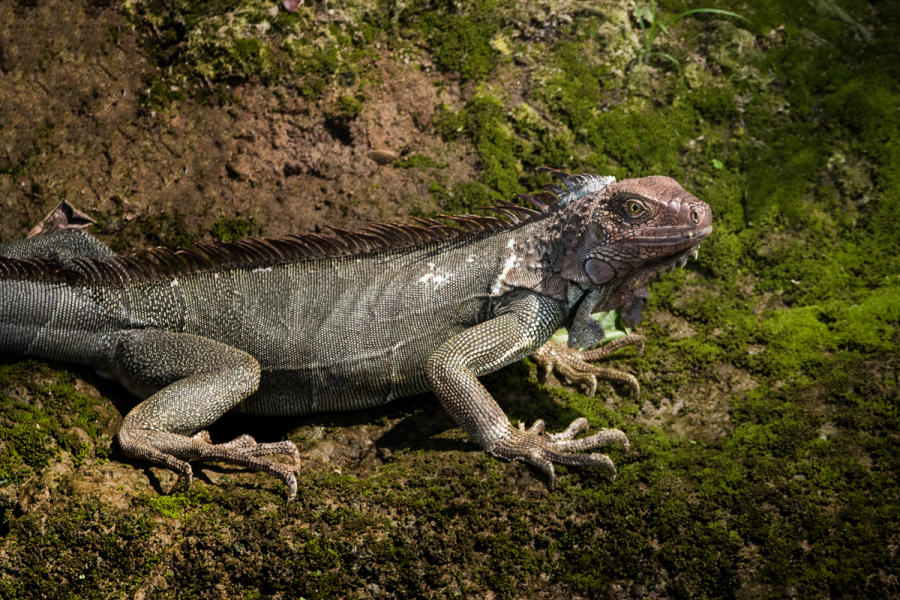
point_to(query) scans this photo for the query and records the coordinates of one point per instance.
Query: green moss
(863, 106)
(797, 340)
(416, 161)
(349, 107)
(870, 325)
(175, 506)
(508, 143)
(162, 93)
(721, 254)
(315, 65)
(234, 58)
(465, 197)
(165, 229)
(461, 42)
(497, 146)
(93, 548)
(448, 123)
(230, 229)
(574, 89)
(35, 427)
(31, 443)
(205, 47)
(715, 103)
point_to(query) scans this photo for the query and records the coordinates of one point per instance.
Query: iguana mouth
(674, 236)
(679, 259)
(683, 246)
(673, 248)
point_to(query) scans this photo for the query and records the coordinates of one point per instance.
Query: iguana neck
(536, 259)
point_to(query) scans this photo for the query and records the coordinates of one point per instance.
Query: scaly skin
(574, 364)
(312, 324)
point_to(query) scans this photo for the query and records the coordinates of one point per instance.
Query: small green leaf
(713, 11)
(610, 321)
(717, 164)
(643, 13)
(668, 57)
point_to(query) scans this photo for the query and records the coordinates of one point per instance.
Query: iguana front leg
(574, 364)
(453, 371)
(189, 382)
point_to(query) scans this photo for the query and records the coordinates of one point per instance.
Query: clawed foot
(173, 451)
(245, 451)
(541, 450)
(575, 367)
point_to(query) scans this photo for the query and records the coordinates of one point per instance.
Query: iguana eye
(634, 208)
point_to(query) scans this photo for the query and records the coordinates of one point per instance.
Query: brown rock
(383, 156)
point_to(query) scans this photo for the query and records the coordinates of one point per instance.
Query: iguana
(318, 323)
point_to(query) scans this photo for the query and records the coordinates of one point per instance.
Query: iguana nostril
(695, 216)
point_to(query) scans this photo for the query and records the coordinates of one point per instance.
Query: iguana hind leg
(189, 383)
(453, 371)
(574, 365)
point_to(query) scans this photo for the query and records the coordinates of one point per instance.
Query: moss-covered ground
(764, 459)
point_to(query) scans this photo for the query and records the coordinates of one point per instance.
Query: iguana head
(597, 243)
(633, 229)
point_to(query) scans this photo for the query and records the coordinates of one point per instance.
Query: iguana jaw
(671, 250)
(673, 237)
(677, 248)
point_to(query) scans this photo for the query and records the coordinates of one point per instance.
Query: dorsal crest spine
(577, 186)
(159, 263)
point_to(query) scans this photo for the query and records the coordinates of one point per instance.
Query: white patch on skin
(434, 277)
(262, 270)
(174, 283)
(511, 261)
(470, 259)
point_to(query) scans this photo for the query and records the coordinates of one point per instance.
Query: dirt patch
(701, 410)
(298, 173)
(67, 96)
(675, 327)
(73, 127)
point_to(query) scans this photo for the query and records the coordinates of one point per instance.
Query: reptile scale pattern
(310, 324)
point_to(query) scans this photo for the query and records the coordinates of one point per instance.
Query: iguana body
(314, 324)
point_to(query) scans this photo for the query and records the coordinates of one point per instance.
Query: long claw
(577, 426)
(542, 451)
(174, 451)
(573, 365)
(246, 451)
